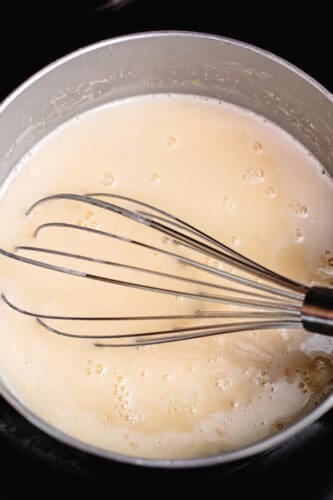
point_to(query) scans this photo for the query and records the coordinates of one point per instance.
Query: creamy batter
(231, 173)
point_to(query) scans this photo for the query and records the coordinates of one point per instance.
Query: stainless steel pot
(167, 62)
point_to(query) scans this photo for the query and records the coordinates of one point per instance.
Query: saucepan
(167, 62)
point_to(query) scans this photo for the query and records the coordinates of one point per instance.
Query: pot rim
(156, 34)
(255, 448)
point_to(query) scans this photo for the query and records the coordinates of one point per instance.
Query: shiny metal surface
(273, 302)
(167, 62)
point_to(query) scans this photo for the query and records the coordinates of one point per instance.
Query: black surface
(33, 34)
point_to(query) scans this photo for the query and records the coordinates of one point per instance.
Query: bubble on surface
(254, 175)
(155, 179)
(279, 426)
(222, 383)
(228, 203)
(108, 180)
(271, 193)
(213, 263)
(88, 214)
(299, 209)
(235, 241)
(258, 147)
(302, 211)
(299, 236)
(284, 333)
(171, 140)
(325, 269)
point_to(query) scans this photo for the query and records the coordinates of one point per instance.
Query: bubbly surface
(234, 175)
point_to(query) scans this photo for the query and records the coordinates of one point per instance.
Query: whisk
(265, 299)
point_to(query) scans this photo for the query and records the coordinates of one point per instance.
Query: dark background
(33, 34)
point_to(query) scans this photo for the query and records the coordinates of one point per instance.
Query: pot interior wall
(167, 63)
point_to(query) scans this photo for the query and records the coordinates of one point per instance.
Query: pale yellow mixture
(233, 174)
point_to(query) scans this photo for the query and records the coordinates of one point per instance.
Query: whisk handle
(317, 310)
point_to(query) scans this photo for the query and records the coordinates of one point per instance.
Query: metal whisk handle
(317, 310)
